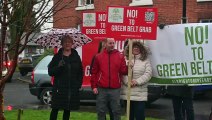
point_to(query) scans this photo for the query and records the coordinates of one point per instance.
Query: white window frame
(141, 2)
(203, 0)
(83, 6)
(81, 3)
(79, 27)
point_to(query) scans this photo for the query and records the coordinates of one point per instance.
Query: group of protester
(109, 81)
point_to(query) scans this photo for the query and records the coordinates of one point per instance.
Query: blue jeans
(183, 108)
(137, 110)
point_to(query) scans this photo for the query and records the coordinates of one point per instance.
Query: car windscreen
(43, 64)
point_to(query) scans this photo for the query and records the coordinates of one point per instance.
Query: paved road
(162, 108)
(17, 95)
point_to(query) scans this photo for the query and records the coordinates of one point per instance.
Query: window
(89, 2)
(203, 0)
(141, 2)
(81, 2)
(206, 21)
(79, 27)
(85, 4)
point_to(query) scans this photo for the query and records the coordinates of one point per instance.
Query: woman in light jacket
(142, 73)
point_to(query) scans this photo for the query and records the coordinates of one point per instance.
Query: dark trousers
(54, 113)
(110, 112)
(137, 110)
(210, 117)
(183, 108)
(113, 97)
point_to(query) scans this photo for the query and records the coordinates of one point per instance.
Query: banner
(182, 54)
(132, 22)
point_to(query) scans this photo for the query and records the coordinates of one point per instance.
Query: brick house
(31, 48)
(169, 11)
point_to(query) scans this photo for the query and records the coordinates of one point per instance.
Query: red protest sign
(132, 22)
(94, 24)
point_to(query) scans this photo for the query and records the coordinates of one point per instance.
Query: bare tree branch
(23, 18)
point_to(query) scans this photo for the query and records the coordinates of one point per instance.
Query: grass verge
(29, 114)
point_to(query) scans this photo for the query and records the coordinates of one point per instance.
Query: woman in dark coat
(66, 67)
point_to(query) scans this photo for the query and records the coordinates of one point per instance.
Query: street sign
(94, 24)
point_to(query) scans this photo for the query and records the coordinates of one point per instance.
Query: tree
(20, 19)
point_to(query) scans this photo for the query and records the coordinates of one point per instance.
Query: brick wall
(170, 11)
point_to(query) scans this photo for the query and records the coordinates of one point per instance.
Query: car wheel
(23, 73)
(46, 96)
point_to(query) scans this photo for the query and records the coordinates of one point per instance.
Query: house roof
(31, 39)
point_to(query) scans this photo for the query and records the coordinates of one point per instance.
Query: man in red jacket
(107, 70)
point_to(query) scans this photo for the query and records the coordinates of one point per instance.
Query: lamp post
(184, 18)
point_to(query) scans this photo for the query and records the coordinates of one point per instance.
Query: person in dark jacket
(107, 70)
(66, 67)
(182, 100)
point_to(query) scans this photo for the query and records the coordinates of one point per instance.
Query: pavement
(25, 79)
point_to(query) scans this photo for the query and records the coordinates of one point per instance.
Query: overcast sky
(46, 27)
